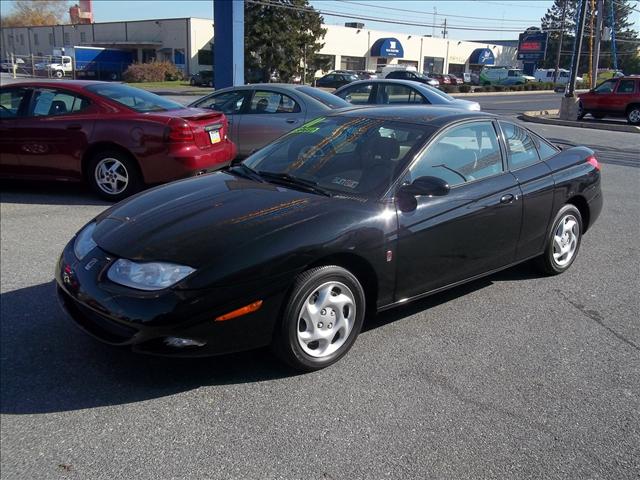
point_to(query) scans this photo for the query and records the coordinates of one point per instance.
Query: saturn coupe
(352, 213)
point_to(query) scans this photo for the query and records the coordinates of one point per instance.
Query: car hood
(194, 222)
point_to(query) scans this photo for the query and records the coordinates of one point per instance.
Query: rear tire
(192, 82)
(563, 242)
(113, 175)
(321, 320)
(633, 115)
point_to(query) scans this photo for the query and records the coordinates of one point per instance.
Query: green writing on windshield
(309, 127)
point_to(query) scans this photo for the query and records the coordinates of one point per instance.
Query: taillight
(592, 160)
(179, 130)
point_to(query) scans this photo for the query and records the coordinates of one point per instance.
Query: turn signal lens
(252, 307)
(592, 160)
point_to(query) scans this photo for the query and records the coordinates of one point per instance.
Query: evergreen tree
(627, 38)
(280, 38)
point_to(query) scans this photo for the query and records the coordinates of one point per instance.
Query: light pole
(569, 104)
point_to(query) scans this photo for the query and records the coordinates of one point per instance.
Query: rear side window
(264, 101)
(544, 149)
(626, 86)
(49, 102)
(227, 102)
(10, 101)
(397, 93)
(357, 94)
(520, 146)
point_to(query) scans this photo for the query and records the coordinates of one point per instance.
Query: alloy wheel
(111, 176)
(565, 240)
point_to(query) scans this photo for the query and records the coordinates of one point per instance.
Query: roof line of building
(106, 23)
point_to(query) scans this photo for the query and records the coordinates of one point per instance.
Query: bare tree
(28, 13)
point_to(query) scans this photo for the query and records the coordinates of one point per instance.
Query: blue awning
(482, 56)
(387, 47)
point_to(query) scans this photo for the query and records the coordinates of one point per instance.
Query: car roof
(397, 81)
(422, 115)
(69, 84)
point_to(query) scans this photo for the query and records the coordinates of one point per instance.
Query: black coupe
(354, 212)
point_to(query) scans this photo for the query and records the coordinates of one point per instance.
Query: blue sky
(496, 16)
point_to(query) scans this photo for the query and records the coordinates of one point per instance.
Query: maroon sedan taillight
(179, 131)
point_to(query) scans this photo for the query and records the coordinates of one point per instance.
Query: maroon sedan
(115, 137)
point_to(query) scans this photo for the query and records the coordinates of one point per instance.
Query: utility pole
(569, 105)
(596, 53)
(444, 32)
(591, 27)
(564, 16)
(433, 28)
(613, 37)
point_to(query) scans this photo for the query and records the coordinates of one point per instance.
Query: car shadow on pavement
(48, 193)
(48, 365)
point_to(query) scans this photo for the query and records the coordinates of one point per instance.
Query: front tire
(113, 175)
(59, 74)
(563, 241)
(321, 320)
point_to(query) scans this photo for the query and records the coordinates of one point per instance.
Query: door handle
(508, 198)
(291, 120)
(74, 126)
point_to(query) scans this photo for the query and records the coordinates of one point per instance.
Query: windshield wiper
(297, 181)
(246, 172)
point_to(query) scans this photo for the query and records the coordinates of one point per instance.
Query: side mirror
(426, 186)
(421, 186)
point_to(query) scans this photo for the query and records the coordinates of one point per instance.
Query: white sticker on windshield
(345, 182)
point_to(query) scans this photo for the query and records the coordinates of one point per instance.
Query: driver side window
(605, 87)
(462, 154)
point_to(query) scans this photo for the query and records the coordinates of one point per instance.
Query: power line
(439, 14)
(271, 3)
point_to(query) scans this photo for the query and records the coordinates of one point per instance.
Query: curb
(528, 92)
(542, 116)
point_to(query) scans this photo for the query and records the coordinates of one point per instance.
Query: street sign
(532, 46)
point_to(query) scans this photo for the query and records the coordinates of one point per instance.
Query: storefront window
(456, 68)
(205, 57)
(148, 55)
(352, 63)
(433, 65)
(381, 62)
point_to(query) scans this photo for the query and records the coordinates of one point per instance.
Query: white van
(504, 76)
(394, 68)
(546, 75)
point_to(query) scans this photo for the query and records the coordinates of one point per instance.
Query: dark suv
(617, 97)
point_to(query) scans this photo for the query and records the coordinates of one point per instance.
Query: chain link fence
(50, 66)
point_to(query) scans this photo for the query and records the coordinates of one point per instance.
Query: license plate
(214, 136)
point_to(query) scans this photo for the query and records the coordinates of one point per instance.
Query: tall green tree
(627, 38)
(281, 36)
(28, 13)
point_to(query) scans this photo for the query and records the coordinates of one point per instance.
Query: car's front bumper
(145, 321)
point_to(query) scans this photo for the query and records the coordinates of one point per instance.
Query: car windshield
(134, 98)
(342, 155)
(323, 97)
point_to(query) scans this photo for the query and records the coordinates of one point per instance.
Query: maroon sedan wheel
(113, 175)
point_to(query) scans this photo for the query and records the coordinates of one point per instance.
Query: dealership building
(188, 43)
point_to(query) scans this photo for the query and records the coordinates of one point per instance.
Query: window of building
(10, 39)
(433, 65)
(463, 154)
(51, 41)
(22, 39)
(205, 57)
(456, 69)
(83, 37)
(67, 39)
(381, 62)
(352, 63)
(148, 55)
(36, 40)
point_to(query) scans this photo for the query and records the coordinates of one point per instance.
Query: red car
(115, 137)
(443, 79)
(617, 97)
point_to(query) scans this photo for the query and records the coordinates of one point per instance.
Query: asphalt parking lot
(512, 376)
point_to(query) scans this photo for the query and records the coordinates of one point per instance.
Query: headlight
(147, 276)
(475, 107)
(84, 241)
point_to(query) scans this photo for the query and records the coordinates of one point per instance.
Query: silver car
(260, 113)
(399, 92)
